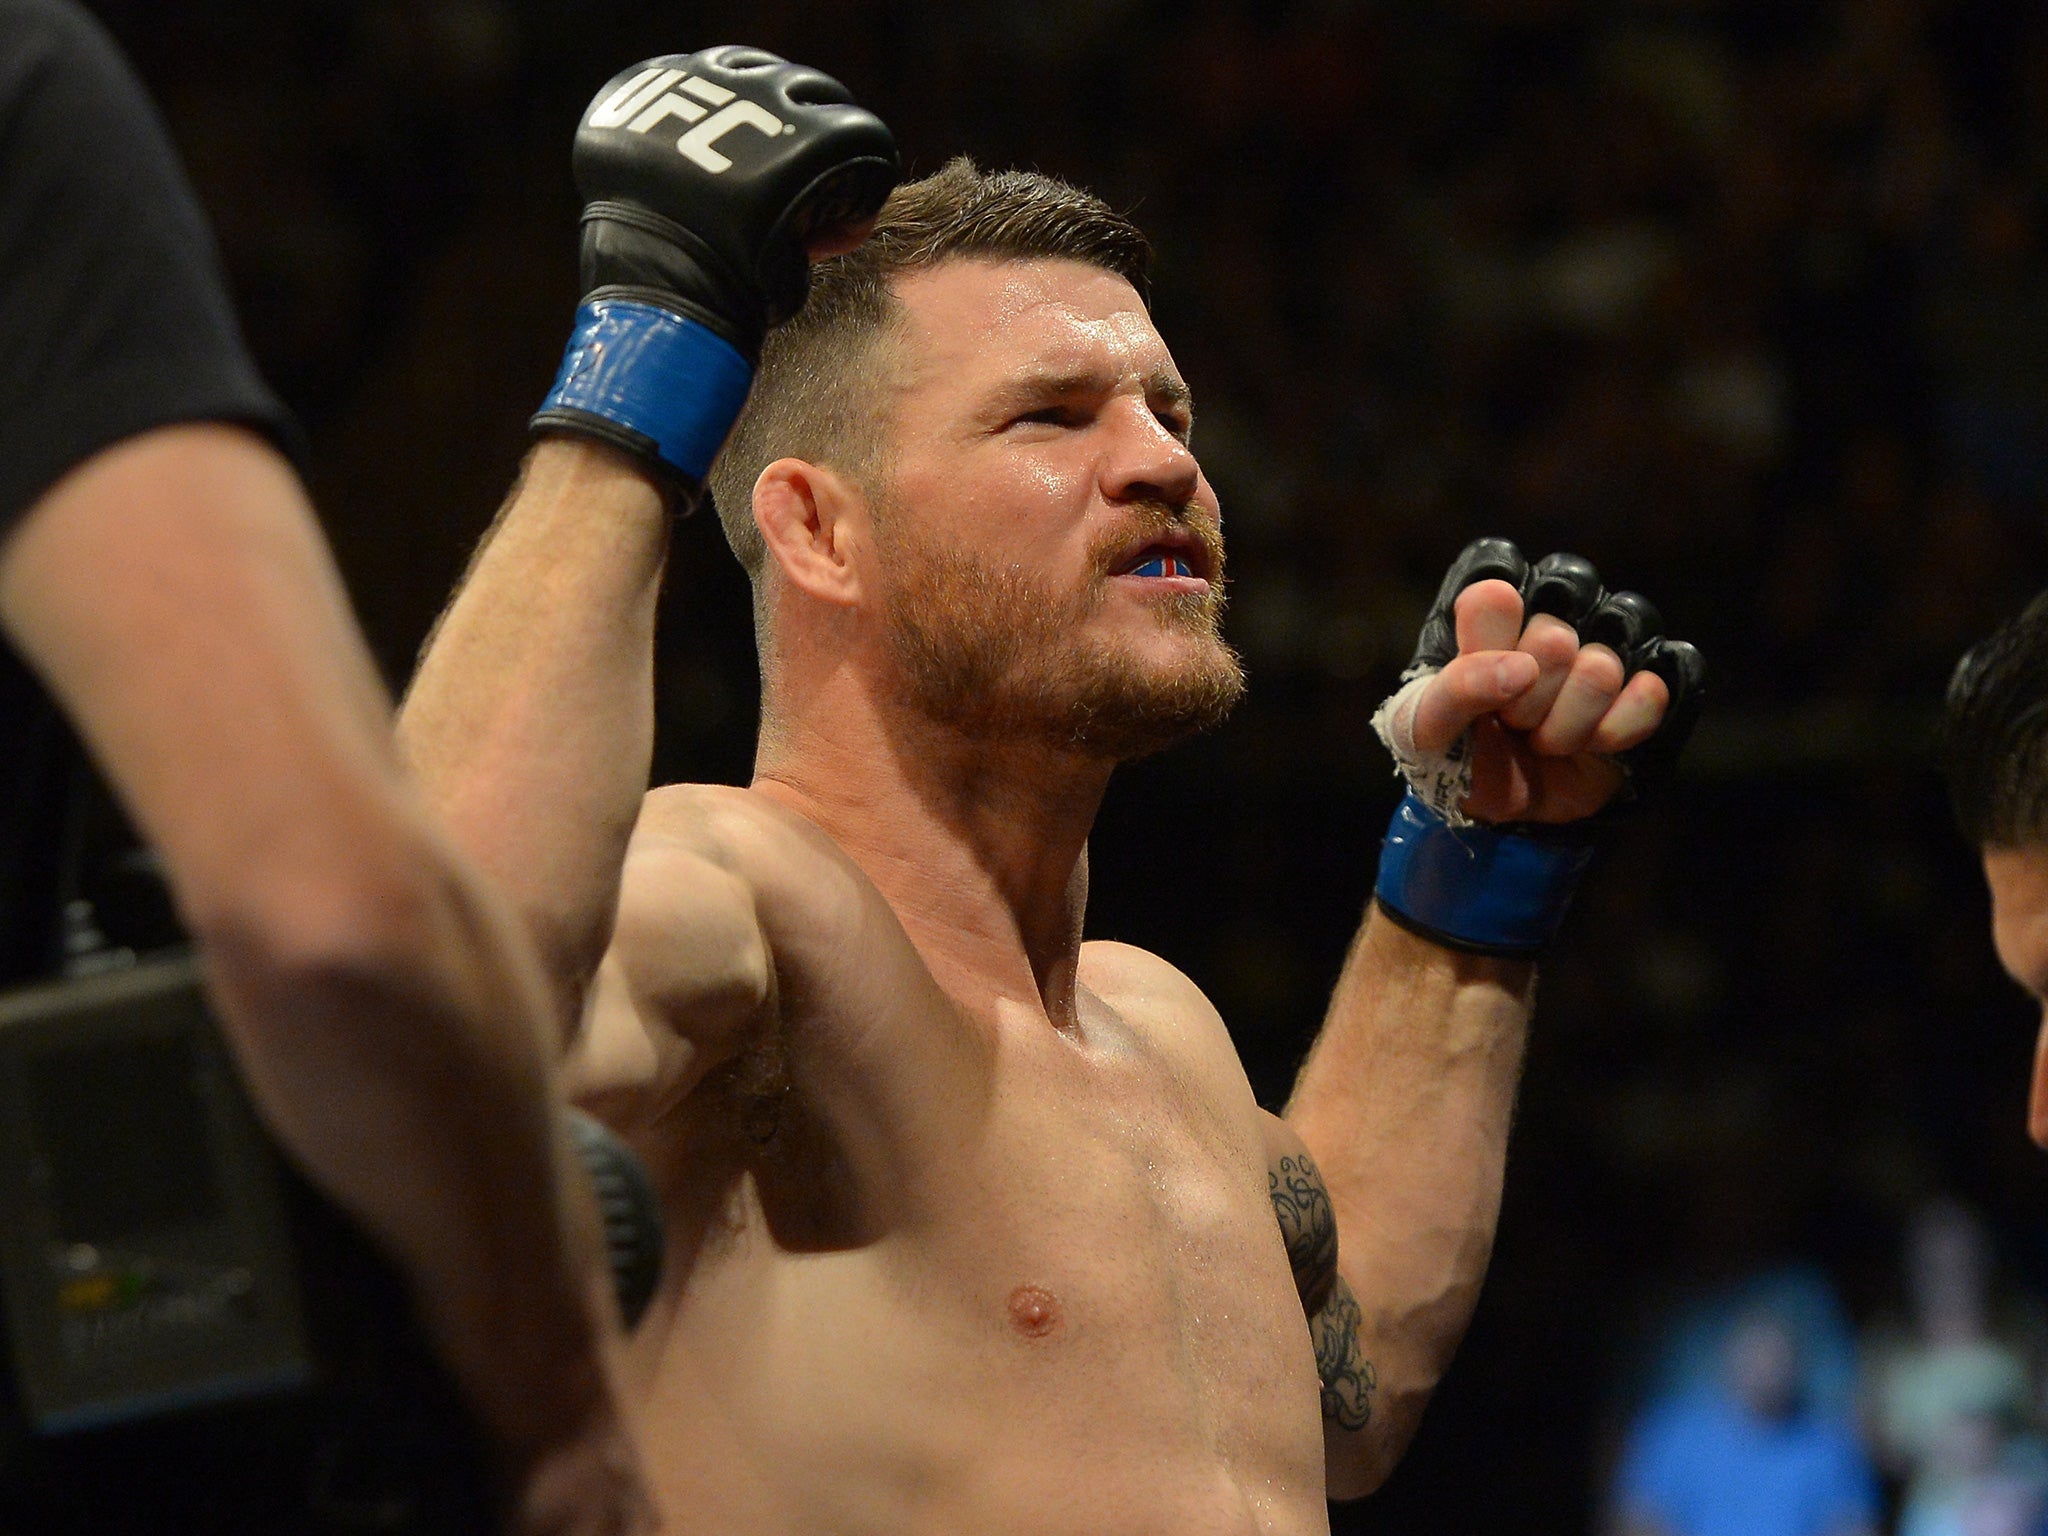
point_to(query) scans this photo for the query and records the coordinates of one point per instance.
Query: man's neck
(979, 847)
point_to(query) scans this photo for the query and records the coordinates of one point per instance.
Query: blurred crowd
(1744, 299)
(1762, 1413)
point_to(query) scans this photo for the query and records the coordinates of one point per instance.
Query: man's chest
(1102, 1154)
(1092, 1287)
(1123, 1230)
(1102, 1226)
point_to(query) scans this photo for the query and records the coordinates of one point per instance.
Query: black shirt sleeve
(113, 314)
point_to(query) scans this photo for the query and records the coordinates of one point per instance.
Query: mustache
(1147, 520)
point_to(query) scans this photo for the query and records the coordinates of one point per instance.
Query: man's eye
(1051, 416)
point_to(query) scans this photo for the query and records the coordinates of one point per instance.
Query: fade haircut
(819, 392)
(1994, 734)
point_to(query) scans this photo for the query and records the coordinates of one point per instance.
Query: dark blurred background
(1744, 299)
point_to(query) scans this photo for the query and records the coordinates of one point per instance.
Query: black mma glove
(1504, 890)
(705, 176)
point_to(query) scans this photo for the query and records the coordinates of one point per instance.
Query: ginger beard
(999, 653)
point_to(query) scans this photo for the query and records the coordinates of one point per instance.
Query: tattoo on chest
(1308, 1226)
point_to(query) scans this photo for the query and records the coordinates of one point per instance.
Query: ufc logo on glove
(647, 100)
(683, 272)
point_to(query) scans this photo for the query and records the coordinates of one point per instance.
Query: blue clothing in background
(1688, 1354)
(1701, 1465)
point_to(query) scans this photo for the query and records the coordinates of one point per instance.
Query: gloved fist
(1545, 703)
(1535, 701)
(705, 175)
(707, 179)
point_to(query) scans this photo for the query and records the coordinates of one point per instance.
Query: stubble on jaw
(992, 652)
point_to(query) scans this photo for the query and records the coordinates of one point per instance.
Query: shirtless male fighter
(973, 1224)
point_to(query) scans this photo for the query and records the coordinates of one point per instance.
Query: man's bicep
(684, 986)
(1348, 1378)
(1308, 1229)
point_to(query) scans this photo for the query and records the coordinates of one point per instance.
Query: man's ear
(815, 524)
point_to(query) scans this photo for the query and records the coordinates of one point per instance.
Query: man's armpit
(1348, 1377)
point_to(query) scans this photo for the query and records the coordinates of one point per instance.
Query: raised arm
(531, 718)
(1406, 1101)
(530, 722)
(1512, 733)
(175, 595)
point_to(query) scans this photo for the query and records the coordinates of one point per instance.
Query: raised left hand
(1538, 694)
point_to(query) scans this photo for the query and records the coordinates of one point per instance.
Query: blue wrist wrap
(668, 379)
(1476, 887)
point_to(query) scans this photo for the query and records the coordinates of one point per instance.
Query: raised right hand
(710, 179)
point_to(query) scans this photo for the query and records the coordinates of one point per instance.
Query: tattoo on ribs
(1348, 1377)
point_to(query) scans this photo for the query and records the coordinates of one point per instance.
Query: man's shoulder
(1161, 1002)
(1136, 979)
(742, 830)
(800, 883)
(737, 907)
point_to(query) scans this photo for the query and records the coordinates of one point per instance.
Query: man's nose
(1148, 461)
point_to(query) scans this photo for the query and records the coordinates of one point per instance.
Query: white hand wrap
(1441, 780)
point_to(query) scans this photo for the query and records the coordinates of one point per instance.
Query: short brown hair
(807, 401)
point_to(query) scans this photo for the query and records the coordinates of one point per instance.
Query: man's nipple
(1034, 1311)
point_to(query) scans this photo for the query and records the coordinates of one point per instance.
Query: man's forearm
(175, 596)
(399, 1065)
(530, 723)
(1405, 1103)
